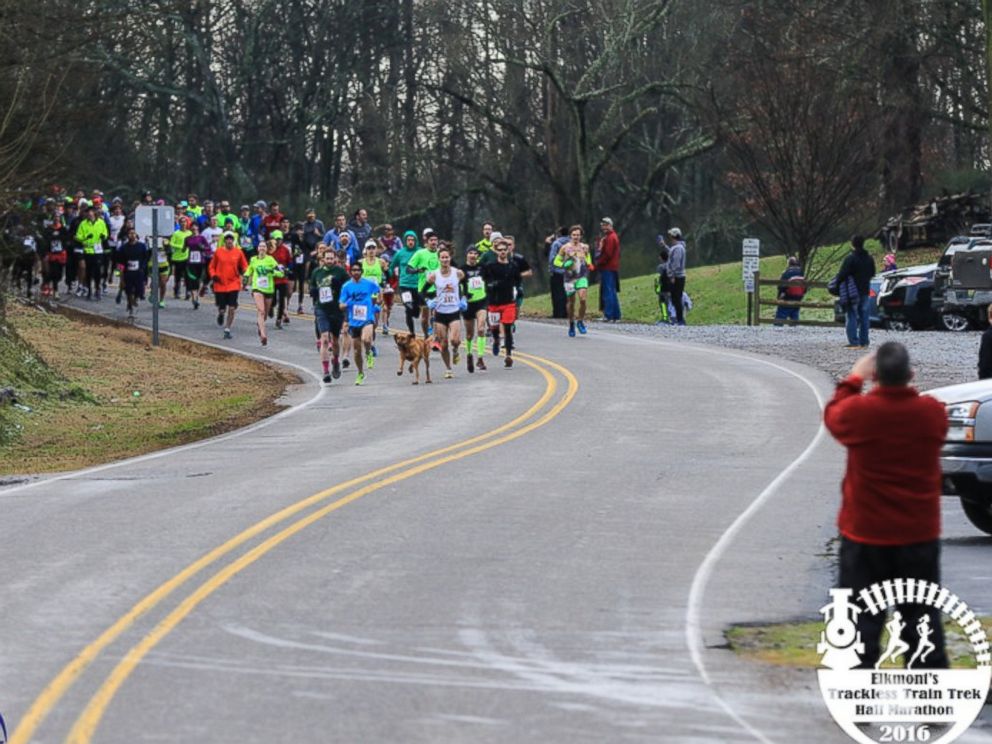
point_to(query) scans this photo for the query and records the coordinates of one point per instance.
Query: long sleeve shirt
(887, 499)
(676, 260)
(609, 252)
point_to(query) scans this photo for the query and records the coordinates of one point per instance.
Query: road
(545, 554)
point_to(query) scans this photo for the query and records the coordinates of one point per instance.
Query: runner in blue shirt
(360, 299)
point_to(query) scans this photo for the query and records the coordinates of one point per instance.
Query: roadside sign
(750, 257)
(144, 216)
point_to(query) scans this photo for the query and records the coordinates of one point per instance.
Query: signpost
(155, 222)
(750, 256)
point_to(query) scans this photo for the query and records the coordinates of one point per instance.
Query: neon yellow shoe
(360, 379)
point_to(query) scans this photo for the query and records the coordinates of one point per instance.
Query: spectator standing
(985, 350)
(859, 266)
(791, 288)
(559, 300)
(676, 270)
(608, 266)
(889, 517)
(360, 227)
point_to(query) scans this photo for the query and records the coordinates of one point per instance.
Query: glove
(432, 303)
(463, 304)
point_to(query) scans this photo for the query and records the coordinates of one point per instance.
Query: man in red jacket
(608, 266)
(889, 517)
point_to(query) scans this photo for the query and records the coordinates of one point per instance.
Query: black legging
(678, 287)
(412, 309)
(93, 263)
(179, 276)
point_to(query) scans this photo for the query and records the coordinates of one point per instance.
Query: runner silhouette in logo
(896, 646)
(925, 646)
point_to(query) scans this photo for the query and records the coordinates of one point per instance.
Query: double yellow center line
(86, 724)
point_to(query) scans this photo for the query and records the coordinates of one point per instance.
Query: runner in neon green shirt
(422, 263)
(179, 255)
(91, 234)
(262, 271)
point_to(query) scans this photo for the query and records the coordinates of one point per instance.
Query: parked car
(966, 459)
(904, 299)
(962, 288)
(840, 315)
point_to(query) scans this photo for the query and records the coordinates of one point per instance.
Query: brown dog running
(412, 351)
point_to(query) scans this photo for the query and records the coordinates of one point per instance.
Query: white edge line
(191, 445)
(693, 629)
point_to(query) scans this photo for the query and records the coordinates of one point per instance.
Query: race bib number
(162, 258)
(56, 246)
(195, 257)
(475, 283)
(407, 297)
(326, 294)
(262, 282)
(299, 259)
(449, 299)
(133, 265)
(360, 312)
(98, 248)
(569, 287)
(494, 319)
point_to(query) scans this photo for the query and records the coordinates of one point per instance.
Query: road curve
(522, 573)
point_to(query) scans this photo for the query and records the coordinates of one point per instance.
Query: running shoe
(470, 364)
(496, 346)
(385, 329)
(448, 375)
(285, 319)
(279, 325)
(196, 305)
(571, 330)
(327, 378)
(346, 363)
(375, 352)
(370, 360)
(299, 310)
(335, 369)
(508, 362)
(187, 297)
(161, 303)
(582, 327)
(265, 340)
(481, 364)
(456, 355)
(436, 346)
(227, 333)
(220, 318)
(118, 300)
(360, 379)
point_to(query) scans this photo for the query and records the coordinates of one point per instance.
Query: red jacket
(893, 436)
(609, 252)
(284, 256)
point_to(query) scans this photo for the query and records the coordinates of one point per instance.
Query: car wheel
(897, 325)
(954, 322)
(979, 513)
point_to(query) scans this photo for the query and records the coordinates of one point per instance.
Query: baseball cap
(261, 204)
(494, 236)
(606, 221)
(229, 234)
(675, 232)
(183, 204)
(427, 233)
(244, 207)
(276, 235)
(370, 243)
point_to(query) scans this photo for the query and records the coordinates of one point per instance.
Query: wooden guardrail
(758, 302)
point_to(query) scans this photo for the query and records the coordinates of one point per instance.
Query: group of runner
(352, 273)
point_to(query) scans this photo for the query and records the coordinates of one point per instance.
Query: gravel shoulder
(939, 358)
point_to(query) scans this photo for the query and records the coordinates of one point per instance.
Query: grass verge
(794, 644)
(91, 392)
(717, 291)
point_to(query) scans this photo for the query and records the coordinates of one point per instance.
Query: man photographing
(889, 517)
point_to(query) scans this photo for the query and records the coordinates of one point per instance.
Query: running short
(446, 318)
(356, 331)
(226, 299)
(505, 314)
(326, 322)
(473, 309)
(134, 283)
(572, 287)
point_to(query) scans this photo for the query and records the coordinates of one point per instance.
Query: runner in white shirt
(447, 307)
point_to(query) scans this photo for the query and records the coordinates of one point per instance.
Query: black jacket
(861, 267)
(985, 356)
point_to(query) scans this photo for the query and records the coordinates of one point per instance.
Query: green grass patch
(794, 644)
(717, 291)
